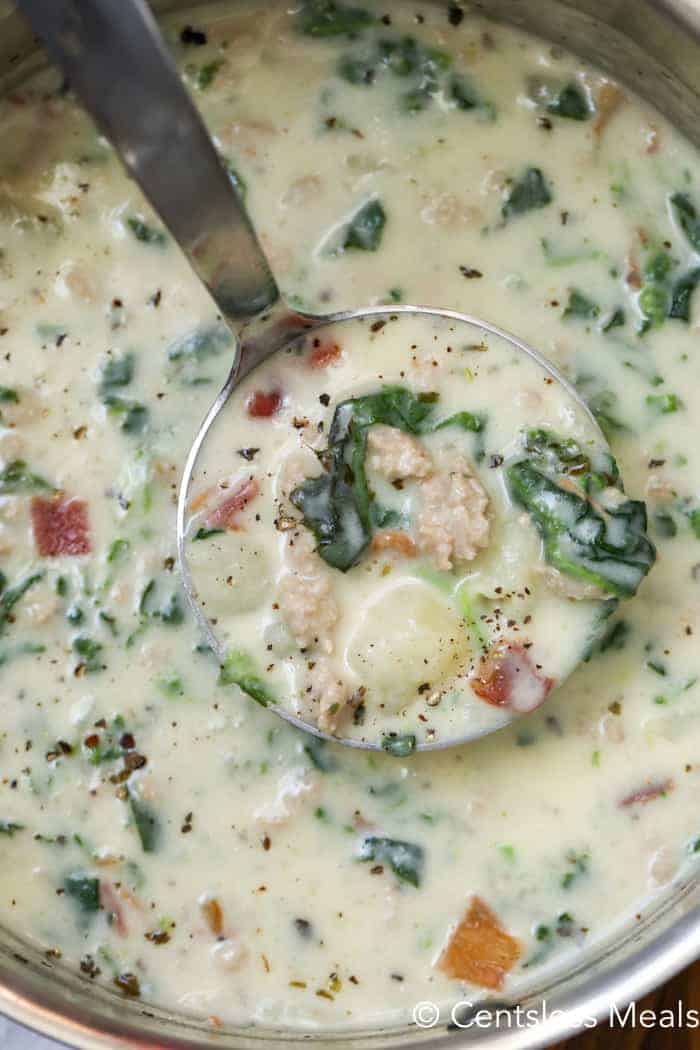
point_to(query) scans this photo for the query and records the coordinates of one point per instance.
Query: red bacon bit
(214, 916)
(61, 526)
(263, 404)
(225, 516)
(480, 950)
(111, 903)
(648, 793)
(507, 678)
(323, 354)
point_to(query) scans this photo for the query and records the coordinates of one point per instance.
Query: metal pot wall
(653, 46)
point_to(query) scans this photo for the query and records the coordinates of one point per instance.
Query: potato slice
(231, 574)
(408, 639)
(479, 950)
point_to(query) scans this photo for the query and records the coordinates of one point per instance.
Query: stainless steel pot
(653, 46)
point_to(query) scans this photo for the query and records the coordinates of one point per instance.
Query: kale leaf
(590, 531)
(580, 306)
(687, 218)
(84, 890)
(681, 294)
(17, 477)
(570, 102)
(146, 823)
(10, 596)
(145, 233)
(527, 193)
(406, 859)
(365, 229)
(239, 669)
(327, 18)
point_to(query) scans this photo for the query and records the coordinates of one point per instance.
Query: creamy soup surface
(159, 829)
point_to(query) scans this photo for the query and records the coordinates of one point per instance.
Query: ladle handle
(117, 63)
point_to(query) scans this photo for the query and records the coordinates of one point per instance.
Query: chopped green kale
(84, 890)
(687, 218)
(328, 18)
(406, 859)
(239, 669)
(527, 193)
(570, 102)
(145, 233)
(590, 533)
(580, 307)
(17, 477)
(146, 823)
(364, 231)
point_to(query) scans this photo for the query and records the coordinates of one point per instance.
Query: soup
(160, 830)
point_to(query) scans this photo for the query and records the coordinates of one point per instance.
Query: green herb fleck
(145, 233)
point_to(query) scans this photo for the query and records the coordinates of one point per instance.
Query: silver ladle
(117, 63)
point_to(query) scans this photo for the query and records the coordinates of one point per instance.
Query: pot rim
(55, 1006)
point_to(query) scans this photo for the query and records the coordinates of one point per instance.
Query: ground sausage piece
(305, 594)
(453, 523)
(329, 695)
(396, 455)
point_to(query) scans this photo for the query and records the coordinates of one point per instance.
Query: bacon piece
(213, 914)
(61, 526)
(507, 678)
(225, 516)
(394, 540)
(647, 793)
(264, 403)
(608, 100)
(323, 354)
(480, 950)
(111, 903)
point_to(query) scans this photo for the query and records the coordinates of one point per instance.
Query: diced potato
(407, 639)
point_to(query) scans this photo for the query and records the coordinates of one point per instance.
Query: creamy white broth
(585, 809)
